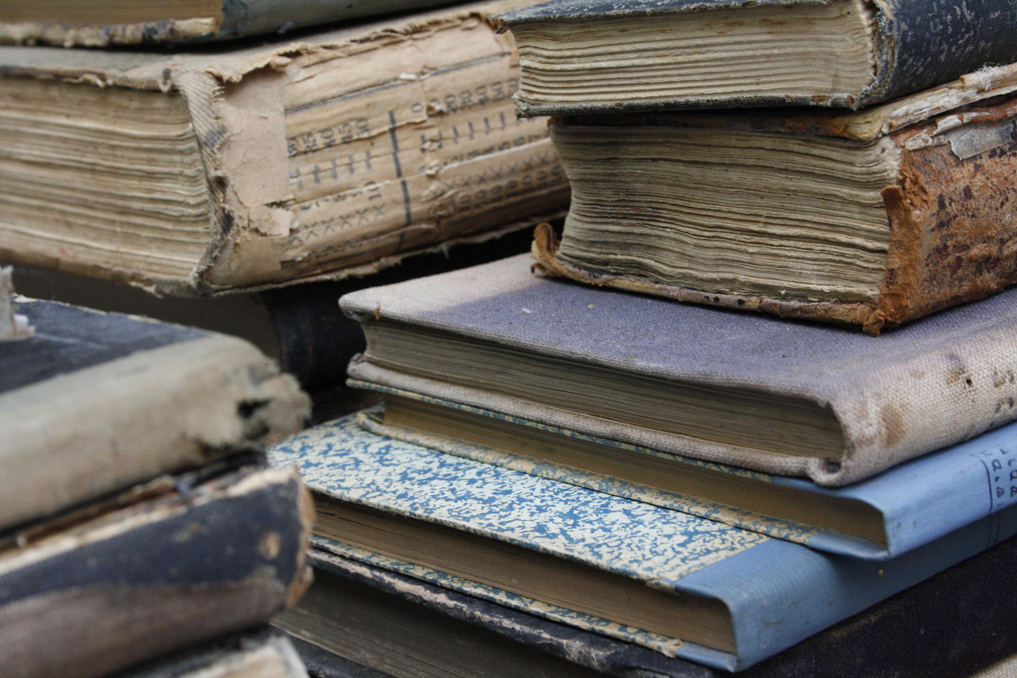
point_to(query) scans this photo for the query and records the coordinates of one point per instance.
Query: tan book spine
(332, 156)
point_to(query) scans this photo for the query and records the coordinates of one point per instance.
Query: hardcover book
(334, 155)
(872, 518)
(66, 23)
(593, 55)
(679, 584)
(357, 621)
(869, 219)
(164, 565)
(92, 403)
(741, 389)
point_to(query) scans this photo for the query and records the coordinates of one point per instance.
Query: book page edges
(231, 134)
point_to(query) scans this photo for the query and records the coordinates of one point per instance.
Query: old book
(869, 219)
(357, 620)
(299, 326)
(679, 584)
(872, 518)
(334, 155)
(174, 22)
(742, 389)
(262, 652)
(92, 403)
(175, 562)
(590, 55)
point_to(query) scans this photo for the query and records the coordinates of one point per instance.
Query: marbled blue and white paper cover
(946, 490)
(777, 592)
(631, 538)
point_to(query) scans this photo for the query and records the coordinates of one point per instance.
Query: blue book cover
(760, 594)
(946, 490)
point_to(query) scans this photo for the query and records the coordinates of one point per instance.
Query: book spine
(953, 238)
(395, 159)
(921, 45)
(154, 577)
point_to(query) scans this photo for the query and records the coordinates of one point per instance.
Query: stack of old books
(335, 141)
(139, 516)
(603, 477)
(198, 154)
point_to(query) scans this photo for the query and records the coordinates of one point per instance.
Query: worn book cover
(261, 652)
(693, 588)
(604, 56)
(94, 402)
(948, 626)
(335, 154)
(121, 23)
(742, 389)
(165, 565)
(868, 219)
(872, 518)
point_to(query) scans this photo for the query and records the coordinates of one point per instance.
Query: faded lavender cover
(946, 490)
(936, 382)
(918, 44)
(778, 593)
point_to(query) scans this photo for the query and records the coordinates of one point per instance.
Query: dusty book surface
(744, 389)
(95, 402)
(331, 156)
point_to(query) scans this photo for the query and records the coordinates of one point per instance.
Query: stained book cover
(775, 593)
(329, 155)
(933, 383)
(869, 219)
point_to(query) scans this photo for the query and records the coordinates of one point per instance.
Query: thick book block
(73, 24)
(92, 403)
(736, 388)
(161, 567)
(598, 56)
(868, 219)
(872, 518)
(953, 625)
(334, 155)
(679, 584)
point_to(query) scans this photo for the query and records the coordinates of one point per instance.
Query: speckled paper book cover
(775, 592)
(947, 489)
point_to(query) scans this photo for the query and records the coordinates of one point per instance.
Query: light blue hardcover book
(874, 518)
(681, 584)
